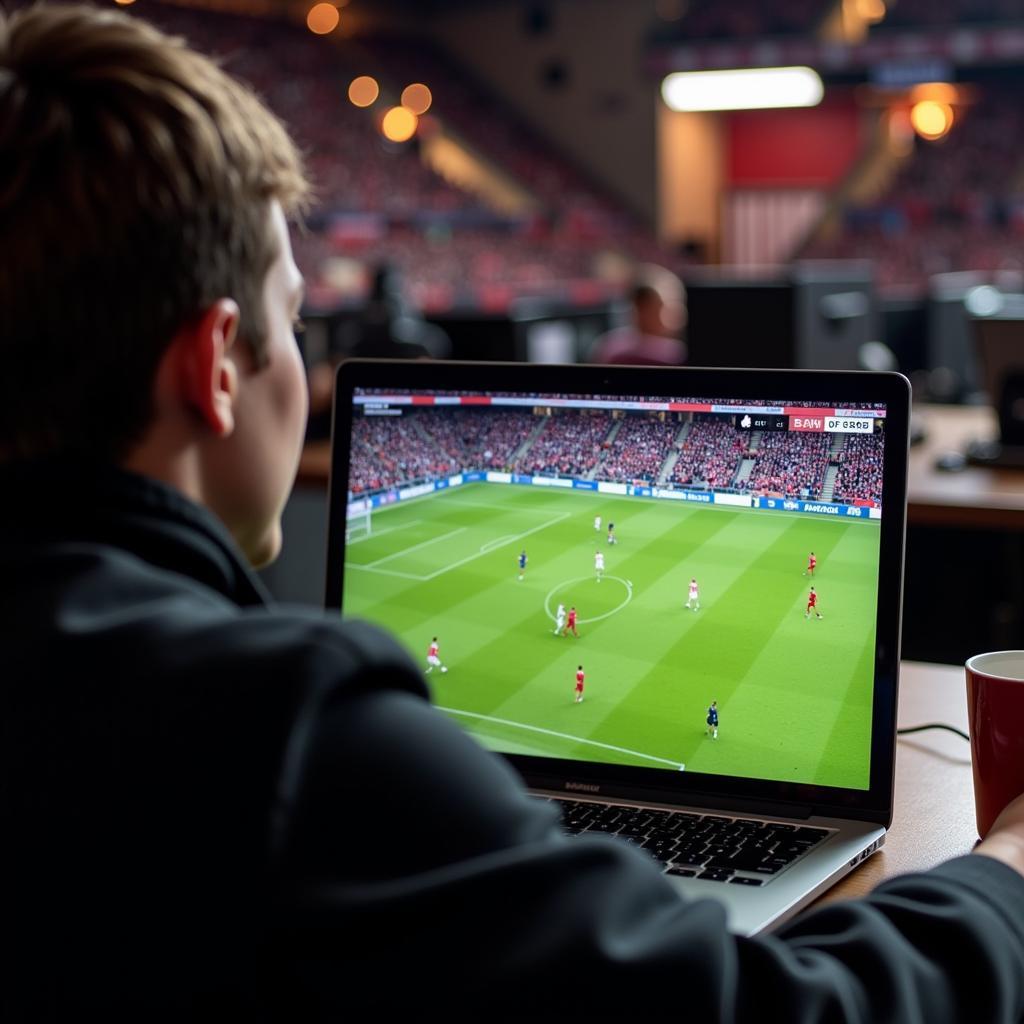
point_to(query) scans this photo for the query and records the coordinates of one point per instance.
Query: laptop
(606, 574)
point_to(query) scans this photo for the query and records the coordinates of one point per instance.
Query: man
(694, 597)
(560, 619)
(712, 720)
(611, 534)
(657, 302)
(521, 562)
(579, 684)
(599, 565)
(811, 563)
(571, 623)
(216, 809)
(597, 523)
(434, 658)
(812, 604)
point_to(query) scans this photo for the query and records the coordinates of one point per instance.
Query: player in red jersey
(579, 684)
(812, 604)
(433, 659)
(812, 561)
(571, 623)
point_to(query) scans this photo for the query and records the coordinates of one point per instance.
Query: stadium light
(399, 124)
(931, 119)
(742, 89)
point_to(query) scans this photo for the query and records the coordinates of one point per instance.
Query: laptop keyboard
(741, 851)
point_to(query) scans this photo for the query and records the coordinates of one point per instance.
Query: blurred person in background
(658, 316)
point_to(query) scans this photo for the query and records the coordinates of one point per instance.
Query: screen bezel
(846, 388)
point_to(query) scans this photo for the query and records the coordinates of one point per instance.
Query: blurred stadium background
(500, 167)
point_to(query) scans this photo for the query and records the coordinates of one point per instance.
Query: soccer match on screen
(685, 584)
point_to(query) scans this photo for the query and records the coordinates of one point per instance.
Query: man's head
(659, 301)
(142, 193)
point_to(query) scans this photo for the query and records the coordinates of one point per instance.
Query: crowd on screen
(389, 451)
(639, 450)
(860, 469)
(710, 454)
(793, 464)
(569, 445)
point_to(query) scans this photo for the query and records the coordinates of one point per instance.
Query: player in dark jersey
(712, 720)
(522, 563)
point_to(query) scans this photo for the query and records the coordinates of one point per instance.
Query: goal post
(358, 519)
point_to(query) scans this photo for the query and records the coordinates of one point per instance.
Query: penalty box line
(504, 542)
(564, 736)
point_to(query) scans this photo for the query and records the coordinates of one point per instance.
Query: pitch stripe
(415, 547)
(503, 544)
(564, 736)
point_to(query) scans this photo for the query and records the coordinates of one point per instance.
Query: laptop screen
(687, 583)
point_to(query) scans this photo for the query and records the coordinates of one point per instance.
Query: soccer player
(571, 624)
(599, 565)
(611, 534)
(812, 604)
(712, 720)
(560, 619)
(433, 660)
(522, 563)
(694, 597)
(812, 561)
(597, 524)
(579, 684)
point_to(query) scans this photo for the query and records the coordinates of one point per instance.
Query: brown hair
(135, 184)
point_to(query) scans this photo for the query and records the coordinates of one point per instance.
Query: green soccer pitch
(794, 693)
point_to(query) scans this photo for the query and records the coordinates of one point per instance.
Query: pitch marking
(564, 736)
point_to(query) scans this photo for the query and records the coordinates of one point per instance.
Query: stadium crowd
(710, 454)
(639, 450)
(569, 445)
(793, 464)
(389, 206)
(391, 450)
(860, 469)
(954, 205)
(430, 443)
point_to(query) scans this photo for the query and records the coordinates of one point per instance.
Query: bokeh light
(322, 18)
(363, 91)
(417, 98)
(931, 119)
(399, 124)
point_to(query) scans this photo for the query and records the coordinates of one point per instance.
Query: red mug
(995, 708)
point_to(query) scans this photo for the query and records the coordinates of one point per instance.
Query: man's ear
(209, 373)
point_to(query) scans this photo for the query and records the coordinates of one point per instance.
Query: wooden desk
(973, 498)
(934, 814)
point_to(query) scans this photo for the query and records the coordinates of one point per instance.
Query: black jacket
(217, 808)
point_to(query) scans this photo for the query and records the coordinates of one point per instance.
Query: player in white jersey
(694, 598)
(560, 619)
(597, 523)
(433, 659)
(599, 565)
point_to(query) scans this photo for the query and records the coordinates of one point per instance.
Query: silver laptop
(671, 598)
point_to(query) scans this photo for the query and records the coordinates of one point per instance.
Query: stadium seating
(432, 443)
(379, 203)
(955, 204)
